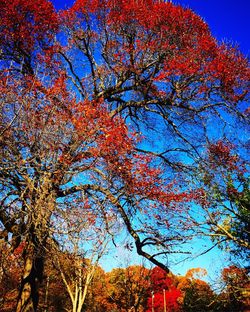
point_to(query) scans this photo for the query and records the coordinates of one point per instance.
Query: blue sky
(228, 20)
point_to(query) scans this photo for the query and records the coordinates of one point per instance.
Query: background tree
(235, 292)
(196, 293)
(97, 299)
(53, 296)
(10, 274)
(83, 246)
(163, 293)
(226, 182)
(128, 288)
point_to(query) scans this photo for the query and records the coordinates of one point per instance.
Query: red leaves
(231, 68)
(163, 285)
(136, 36)
(225, 163)
(171, 298)
(27, 22)
(18, 251)
(88, 6)
(220, 154)
(109, 136)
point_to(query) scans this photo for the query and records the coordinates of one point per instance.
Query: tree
(77, 266)
(165, 295)
(128, 288)
(196, 293)
(235, 293)
(154, 75)
(10, 273)
(226, 181)
(84, 93)
(181, 293)
(97, 299)
(53, 296)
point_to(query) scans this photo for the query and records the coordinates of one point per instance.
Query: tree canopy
(107, 111)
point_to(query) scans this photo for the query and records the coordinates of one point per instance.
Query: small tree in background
(227, 211)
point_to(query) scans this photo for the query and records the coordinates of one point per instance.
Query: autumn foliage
(164, 291)
(105, 110)
(136, 288)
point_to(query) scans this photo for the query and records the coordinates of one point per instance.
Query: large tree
(106, 107)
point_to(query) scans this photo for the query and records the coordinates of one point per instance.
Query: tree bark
(32, 277)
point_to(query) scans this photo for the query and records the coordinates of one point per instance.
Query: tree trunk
(32, 277)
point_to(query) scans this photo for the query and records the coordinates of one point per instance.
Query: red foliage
(172, 296)
(162, 284)
(171, 299)
(26, 25)
(180, 38)
(222, 155)
(159, 279)
(133, 55)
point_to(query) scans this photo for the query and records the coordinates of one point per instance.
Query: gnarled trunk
(32, 277)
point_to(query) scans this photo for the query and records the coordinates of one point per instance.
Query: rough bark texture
(32, 277)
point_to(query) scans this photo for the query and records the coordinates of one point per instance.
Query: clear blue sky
(228, 19)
